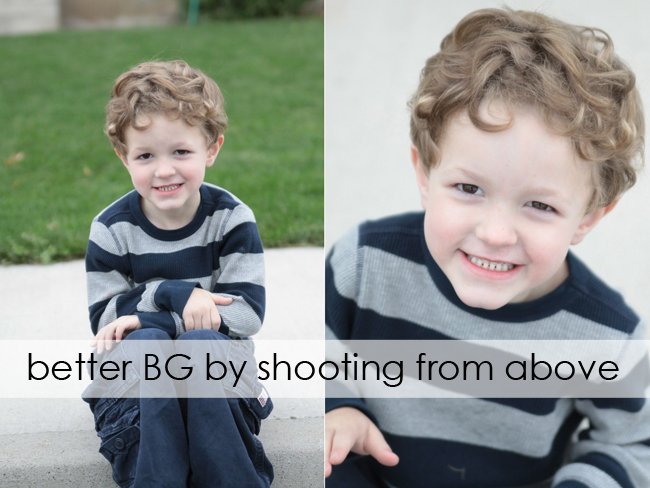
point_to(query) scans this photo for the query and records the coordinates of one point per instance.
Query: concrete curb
(71, 459)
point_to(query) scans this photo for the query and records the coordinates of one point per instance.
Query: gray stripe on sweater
(109, 315)
(586, 474)
(238, 268)
(147, 302)
(240, 317)
(447, 419)
(389, 282)
(104, 238)
(344, 264)
(132, 239)
(102, 286)
(239, 215)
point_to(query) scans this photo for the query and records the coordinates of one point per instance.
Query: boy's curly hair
(570, 74)
(171, 88)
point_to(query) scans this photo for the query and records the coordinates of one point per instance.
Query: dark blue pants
(193, 442)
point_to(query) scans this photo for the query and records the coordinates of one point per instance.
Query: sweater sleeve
(241, 274)
(615, 450)
(341, 293)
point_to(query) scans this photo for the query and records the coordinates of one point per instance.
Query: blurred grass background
(59, 170)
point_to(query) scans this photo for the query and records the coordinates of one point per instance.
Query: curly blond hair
(569, 74)
(171, 88)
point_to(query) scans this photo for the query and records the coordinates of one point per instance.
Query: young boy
(176, 258)
(525, 133)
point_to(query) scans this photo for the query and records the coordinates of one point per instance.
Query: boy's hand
(115, 330)
(200, 311)
(347, 429)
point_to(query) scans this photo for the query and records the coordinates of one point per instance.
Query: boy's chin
(487, 301)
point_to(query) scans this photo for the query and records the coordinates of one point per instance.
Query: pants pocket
(119, 430)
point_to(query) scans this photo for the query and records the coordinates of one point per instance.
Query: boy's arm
(349, 423)
(615, 450)
(241, 274)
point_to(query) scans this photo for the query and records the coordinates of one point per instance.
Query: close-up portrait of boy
(525, 132)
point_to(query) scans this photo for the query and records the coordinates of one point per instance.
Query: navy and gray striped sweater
(382, 283)
(133, 267)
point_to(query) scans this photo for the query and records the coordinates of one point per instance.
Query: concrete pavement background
(52, 442)
(375, 50)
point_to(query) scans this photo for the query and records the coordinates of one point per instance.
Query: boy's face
(503, 207)
(167, 164)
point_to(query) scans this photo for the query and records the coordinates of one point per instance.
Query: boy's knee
(203, 335)
(148, 335)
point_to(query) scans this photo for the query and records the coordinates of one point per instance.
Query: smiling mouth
(167, 188)
(490, 265)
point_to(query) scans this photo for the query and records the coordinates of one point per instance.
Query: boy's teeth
(168, 188)
(490, 264)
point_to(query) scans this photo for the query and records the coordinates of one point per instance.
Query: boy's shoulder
(400, 235)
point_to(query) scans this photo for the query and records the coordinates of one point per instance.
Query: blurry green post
(193, 12)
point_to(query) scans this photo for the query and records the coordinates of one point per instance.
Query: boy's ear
(590, 220)
(421, 176)
(213, 150)
(119, 155)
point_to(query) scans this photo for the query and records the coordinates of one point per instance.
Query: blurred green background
(59, 170)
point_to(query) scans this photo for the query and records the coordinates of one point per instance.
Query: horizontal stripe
(240, 317)
(634, 458)
(388, 282)
(239, 215)
(238, 267)
(607, 465)
(500, 426)
(586, 474)
(133, 240)
(102, 286)
(452, 463)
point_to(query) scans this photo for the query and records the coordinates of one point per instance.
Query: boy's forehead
(526, 153)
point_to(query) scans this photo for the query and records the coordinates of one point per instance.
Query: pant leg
(144, 439)
(223, 450)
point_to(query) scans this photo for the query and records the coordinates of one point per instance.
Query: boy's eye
(182, 152)
(471, 189)
(145, 156)
(541, 206)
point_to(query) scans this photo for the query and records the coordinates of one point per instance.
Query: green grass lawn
(53, 90)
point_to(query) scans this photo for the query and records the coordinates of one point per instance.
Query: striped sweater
(382, 283)
(133, 267)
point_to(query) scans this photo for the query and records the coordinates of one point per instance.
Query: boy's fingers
(219, 300)
(378, 448)
(328, 449)
(342, 442)
(189, 323)
(215, 318)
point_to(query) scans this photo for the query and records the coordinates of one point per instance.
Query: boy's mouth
(167, 188)
(490, 265)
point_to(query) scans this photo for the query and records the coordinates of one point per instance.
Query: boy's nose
(497, 229)
(165, 170)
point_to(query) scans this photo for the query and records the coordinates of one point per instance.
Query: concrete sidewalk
(52, 442)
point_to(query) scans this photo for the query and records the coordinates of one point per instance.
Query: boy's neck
(171, 219)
